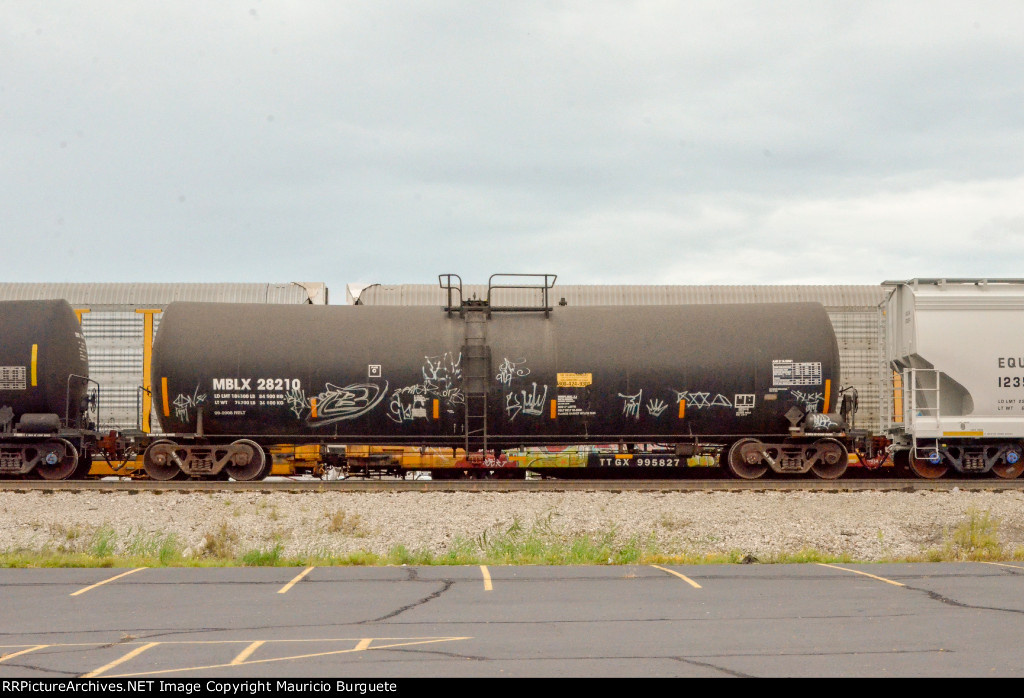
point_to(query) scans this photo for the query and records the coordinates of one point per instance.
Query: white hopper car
(956, 347)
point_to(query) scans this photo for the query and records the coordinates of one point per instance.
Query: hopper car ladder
(921, 407)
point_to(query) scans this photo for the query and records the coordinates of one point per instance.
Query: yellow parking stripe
(686, 579)
(12, 655)
(289, 585)
(292, 658)
(134, 653)
(363, 644)
(244, 654)
(123, 574)
(846, 569)
(1001, 564)
(487, 578)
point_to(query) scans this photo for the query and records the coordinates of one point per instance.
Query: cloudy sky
(607, 142)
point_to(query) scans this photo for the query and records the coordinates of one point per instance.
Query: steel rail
(550, 485)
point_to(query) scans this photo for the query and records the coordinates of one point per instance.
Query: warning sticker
(575, 380)
(13, 378)
(567, 406)
(788, 372)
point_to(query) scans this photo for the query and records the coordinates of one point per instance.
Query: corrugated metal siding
(830, 296)
(114, 331)
(853, 309)
(130, 296)
(862, 358)
(114, 340)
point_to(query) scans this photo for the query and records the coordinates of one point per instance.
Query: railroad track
(398, 485)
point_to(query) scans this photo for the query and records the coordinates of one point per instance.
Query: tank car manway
(313, 486)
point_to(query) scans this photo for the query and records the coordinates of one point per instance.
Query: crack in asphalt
(936, 596)
(411, 575)
(439, 653)
(54, 650)
(124, 639)
(708, 665)
(448, 583)
(45, 670)
(149, 634)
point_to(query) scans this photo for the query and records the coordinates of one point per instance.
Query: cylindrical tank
(41, 351)
(576, 374)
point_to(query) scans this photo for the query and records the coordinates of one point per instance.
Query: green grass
(263, 558)
(976, 538)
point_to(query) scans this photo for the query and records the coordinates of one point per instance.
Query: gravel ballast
(868, 526)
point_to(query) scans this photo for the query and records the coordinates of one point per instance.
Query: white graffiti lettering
(335, 404)
(445, 392)
(700, 400)
(528, 402)
(656, 407)
(512, 406)
(511, 369)
(183, 403)
(297, 402)
(631, 404)
(811, 400)
(533, 404)
(407, 404)
(442, 381)
(442, 378)
(442, 369)
(821, 422)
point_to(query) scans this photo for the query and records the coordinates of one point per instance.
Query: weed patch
(346, 525)
(220, 543)
(263, 558)
(541, 542)
(974, 538)
(103, 542)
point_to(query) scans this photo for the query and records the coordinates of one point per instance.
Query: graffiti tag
(511, 369)
(631, 405)
(183, 403)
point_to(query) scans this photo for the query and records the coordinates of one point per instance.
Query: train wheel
(745, 459)
(248, 462)
(1012, 465)
(64, 457)
(84, 467)
(1007, 471)
(924, 468)
(832, 459)
(268, 466)
(159, 463)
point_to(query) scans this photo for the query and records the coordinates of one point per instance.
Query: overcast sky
(607, 142)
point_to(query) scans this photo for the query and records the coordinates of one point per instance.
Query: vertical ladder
(476, 353)
(476, 368)
(887, 407)
(917, 398)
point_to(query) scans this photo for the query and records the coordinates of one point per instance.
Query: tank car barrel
(481, 378)
(44, 368)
